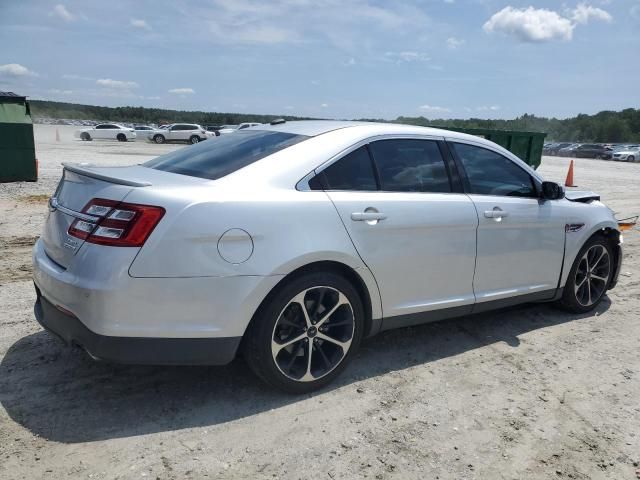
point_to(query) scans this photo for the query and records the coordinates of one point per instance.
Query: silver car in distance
(291, 242)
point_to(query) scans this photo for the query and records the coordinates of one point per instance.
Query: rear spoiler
(87, 170)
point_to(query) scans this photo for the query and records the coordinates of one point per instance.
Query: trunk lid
(79, 184)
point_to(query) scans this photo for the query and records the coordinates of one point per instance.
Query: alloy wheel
(313, 334)
(592, 275)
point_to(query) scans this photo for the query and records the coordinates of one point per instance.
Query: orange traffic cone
(57, 135)
(569, 181)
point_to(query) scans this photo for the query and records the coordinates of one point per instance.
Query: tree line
(603, 127)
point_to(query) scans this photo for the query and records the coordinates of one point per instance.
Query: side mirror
(552, 191)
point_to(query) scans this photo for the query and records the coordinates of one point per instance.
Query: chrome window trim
(303, 184)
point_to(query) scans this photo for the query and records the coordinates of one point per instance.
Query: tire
(299, 353)
(121, 137)
(85, 137)
(159, 139)
(589, 276)
(194, 139)
(631, 158)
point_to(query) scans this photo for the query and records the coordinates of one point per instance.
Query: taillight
(117, 224)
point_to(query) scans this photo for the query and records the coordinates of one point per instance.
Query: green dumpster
(526, 145)
(17, 149)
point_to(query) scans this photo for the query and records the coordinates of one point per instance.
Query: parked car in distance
(295, 241)
(627, 154)
(143, 131)
(556, 147)
(244, 125)
(179, 132)
(227, 129)
(106, 131)
(215, 129)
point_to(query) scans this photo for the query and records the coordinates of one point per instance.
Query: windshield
(214, 159)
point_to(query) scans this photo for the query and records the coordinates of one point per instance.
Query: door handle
(496, 213)
(367, 216)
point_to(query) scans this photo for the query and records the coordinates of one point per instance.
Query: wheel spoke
(276, 347)
(599, 278)
(319, 303)
(595, 264)
(307, 377)
(299, 299)
(343, 345)
(589, 290)
(342, 300)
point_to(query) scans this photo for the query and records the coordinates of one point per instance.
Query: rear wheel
(85, 136)
(121, 137)
(306, 334)
(158, 138)
(194, 139)
(589, 277)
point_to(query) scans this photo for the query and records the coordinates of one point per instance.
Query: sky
(328, 58)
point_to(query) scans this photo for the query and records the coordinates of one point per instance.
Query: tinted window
(410, 166)
(490, 173)
(227, 154)
(352, 172)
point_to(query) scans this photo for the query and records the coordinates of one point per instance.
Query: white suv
(179, 132)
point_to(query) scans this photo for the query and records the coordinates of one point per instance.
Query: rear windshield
(225, 154)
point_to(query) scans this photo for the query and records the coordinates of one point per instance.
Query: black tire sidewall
(192, 138)
(159, 137)
(569, 300)
(257, 348)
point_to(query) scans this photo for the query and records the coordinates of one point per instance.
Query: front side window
(408, 165)
(213, 160)
(354, 171)
(489, 173)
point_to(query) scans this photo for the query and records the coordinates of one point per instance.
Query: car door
(520, 239)
(410, 226)
(99, 131)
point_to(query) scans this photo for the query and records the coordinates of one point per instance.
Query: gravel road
(529, 392)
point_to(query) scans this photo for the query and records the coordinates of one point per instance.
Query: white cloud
(453, 43)
(434, 109)
(116, 84)
(61, 11)
(635, 11)
(530, 24)
(324, 105)
(16, 70)
(583, 13)
(407, 57)
(542, 25)
(182, 91)
(141, 24)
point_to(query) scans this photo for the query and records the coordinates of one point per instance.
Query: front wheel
(589, 277)
(85, 136)
(159, 139)
(631, 158)
(306, 334)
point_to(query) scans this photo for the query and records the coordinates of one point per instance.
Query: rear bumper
(134, 350)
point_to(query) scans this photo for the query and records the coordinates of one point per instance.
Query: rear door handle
(367, 216)
(497, 212)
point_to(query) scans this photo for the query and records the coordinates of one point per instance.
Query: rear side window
(354, 171)
(489, 173)
(410, 166)
(213, 160)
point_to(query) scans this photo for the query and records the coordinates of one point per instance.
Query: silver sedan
(292, 242)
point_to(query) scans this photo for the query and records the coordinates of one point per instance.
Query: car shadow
(58, 393)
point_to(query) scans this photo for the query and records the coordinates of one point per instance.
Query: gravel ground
(528, 392)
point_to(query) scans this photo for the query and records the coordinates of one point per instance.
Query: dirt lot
(529, 392)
